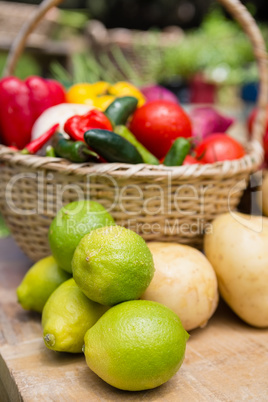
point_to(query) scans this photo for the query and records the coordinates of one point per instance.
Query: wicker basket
(161, 203)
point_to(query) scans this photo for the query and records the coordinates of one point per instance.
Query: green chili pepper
(120, 109)
(50, 152)
(147, 157)
(177, 152)
(74, 151)
(112, 147)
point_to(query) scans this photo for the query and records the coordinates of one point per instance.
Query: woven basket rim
(249, 163)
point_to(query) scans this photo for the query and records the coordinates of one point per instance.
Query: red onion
(156, 92)
(206, 121)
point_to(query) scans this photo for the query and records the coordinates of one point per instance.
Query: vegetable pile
(101, 122)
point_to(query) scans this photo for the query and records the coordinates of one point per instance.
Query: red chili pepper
(21, 103)
(39, 142)
(77, 125)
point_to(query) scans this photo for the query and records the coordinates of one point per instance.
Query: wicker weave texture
(175, 205)
(175, 210)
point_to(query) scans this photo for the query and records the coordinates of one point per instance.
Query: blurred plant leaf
(27, 65)
(4, 232)
(73, 19)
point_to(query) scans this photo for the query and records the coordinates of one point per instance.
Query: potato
(262, 196)
(184, 281)
(237, 248)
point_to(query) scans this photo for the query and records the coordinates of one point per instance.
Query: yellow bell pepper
(102, 102)
(101, 94)
(123, 88)
(85, 93)
(100, 87)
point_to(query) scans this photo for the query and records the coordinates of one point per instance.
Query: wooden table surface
(226, 361)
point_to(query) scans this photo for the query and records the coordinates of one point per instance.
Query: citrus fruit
(71, 223)
(66, 317)
(136, 345)
(39, 282)
(112, 264)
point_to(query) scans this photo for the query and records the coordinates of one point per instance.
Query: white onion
(57, 114)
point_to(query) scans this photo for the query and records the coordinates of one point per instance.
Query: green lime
(112, 264)
(39, 282)
(67, 316)
(71, 223)
(136, 345)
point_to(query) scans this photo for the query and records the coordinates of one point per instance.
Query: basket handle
(236, 9)
(19, 43)
(249, 25)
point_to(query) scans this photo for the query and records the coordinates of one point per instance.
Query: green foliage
(218, 42)
(73, 19)
(27, 65)
(86, 68)
(4, 232)
(219, 48)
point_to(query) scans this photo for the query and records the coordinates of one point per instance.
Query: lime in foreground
(136, 345)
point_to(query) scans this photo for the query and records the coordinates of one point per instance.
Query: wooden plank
(226, 361)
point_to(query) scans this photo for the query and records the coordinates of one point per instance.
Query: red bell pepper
(21, 103)
(77, 125)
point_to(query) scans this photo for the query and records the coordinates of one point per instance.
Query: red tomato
(158, 123)
(190, 160)
(265, 138)
(219, 147)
